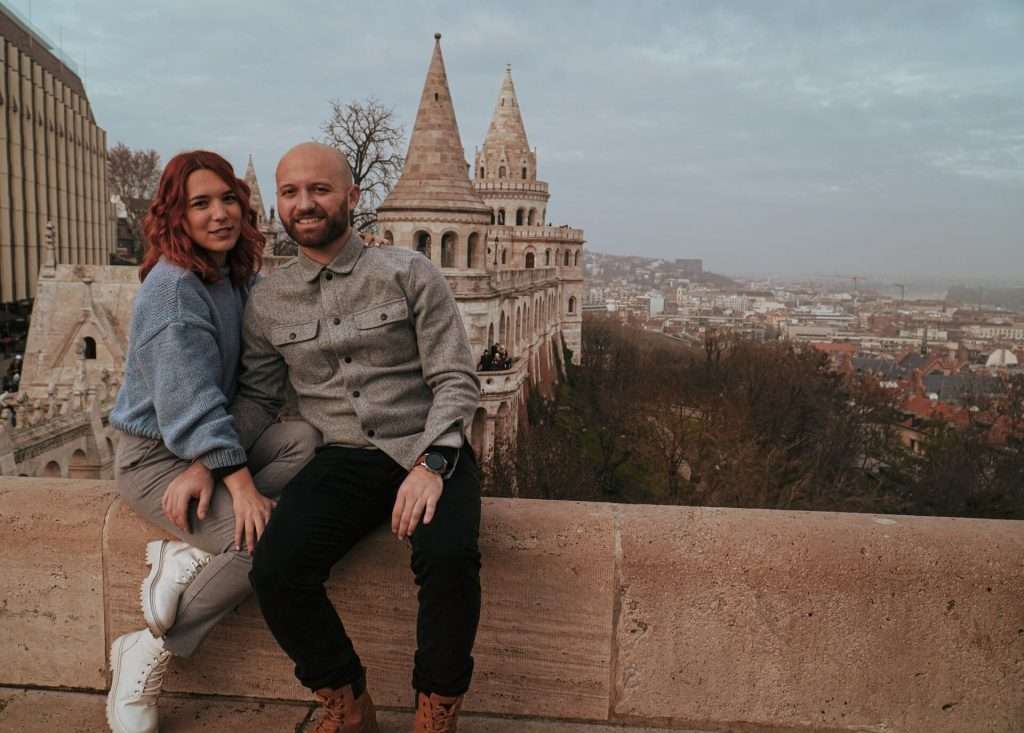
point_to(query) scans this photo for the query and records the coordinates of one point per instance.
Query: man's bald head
(315, 197)
(317, 155)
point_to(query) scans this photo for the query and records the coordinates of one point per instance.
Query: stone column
(15, 109)
(28, 152)
(52, 189)
(39, 163)
(7, 254)
(65, 243)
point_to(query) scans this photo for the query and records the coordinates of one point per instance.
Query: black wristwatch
(436, 460)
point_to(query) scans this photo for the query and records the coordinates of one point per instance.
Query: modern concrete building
(52, 161)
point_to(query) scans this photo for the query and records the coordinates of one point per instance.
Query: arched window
(532, 218)
(90, 347)
(501, 216)
(504, 256)
(482, 171)
(529, 261)
(572, 304)
(576, 259)
(501, 172)
(520, 215)
(524, 172)
(423, 243)
(473, 251)
(448, 250)
(547, 258)
(566, 258)
(389, 237)
(494, 218)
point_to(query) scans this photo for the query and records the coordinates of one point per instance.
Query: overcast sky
(845, 137)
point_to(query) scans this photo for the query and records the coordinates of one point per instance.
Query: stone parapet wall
(673, 617)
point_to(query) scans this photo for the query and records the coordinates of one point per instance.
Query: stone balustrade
(533, 189)
(569, 235)
(469, 283)
(672, 617)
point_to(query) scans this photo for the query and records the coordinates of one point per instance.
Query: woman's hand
(252, 509)
(195, 482)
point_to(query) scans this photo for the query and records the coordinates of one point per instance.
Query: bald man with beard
(372, 343)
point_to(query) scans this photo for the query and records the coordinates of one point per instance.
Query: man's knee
(444, 555)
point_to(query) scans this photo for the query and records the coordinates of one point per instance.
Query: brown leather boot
(437, 714)
(342, 712)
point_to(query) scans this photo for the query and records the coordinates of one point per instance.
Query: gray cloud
(784, 137)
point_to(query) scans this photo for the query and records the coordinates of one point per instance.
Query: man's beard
(335, 226)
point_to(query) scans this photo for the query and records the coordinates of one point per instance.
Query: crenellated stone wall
(672, 617)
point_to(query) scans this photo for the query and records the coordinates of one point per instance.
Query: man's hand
(417, 497)
(195, 482)
(252, 509)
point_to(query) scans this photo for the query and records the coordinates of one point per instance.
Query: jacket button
(356, 393)
(337, 321)
(291, 336)
(370, 433)
(328, 276)
(348, 359)
(383, 316)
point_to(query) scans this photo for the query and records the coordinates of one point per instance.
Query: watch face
(436, 462)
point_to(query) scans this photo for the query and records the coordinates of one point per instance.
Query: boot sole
(155, 559)
(115, 669)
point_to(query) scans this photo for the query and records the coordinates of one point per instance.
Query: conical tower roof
(255, 196)
(507, 129)
(434, 176)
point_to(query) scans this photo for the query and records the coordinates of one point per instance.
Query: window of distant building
(501, 172)
(483, 171)
(572, 304)
(90, 347)
(524, 172)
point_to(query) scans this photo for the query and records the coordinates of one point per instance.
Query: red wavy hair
(164, 225)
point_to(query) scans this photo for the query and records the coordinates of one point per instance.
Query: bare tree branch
(370, 136)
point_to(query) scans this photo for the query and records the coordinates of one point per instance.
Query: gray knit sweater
(182, 366)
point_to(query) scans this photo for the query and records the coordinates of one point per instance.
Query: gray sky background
(782, 137)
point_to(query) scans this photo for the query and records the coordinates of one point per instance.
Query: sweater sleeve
(180, 364)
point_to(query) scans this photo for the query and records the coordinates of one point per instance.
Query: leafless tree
(372, 139)
(133, 176)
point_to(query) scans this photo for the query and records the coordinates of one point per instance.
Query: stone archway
(81, 466)
(51, 470)
(448, 242)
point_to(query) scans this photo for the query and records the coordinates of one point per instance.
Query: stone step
(39, 711)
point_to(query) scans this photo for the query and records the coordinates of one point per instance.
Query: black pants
(339, 497)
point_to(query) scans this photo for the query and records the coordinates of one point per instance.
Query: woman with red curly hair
(173, 411)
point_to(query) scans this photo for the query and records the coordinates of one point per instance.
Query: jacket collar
(343, 264)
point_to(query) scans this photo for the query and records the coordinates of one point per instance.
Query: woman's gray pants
(145, 470)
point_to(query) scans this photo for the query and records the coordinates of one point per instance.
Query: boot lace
(194, 569)
(334, 714)
(442, 719)
(151, 680)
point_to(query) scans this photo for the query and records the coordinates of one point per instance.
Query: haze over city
(785, 138)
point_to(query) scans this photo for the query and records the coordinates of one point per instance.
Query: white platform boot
(138, 661)
(173, 565)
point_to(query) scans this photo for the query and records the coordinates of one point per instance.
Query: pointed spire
(255, 196)
(435, 174)
(507, 129)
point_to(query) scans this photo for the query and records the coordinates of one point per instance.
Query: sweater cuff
(223, 458)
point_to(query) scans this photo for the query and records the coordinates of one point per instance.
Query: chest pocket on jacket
(385, 336)
(307, 357)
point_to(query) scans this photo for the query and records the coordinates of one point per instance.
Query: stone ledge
(672, 617)
(44, 711)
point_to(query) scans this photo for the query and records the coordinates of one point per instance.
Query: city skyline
(788, 141)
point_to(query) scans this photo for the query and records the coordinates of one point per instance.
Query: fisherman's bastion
(517, 280)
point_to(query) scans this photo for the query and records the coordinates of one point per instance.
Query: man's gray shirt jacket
(373, 345)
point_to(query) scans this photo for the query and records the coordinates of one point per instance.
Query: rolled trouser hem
(354, 675)
(458, 688)
(180, 647)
